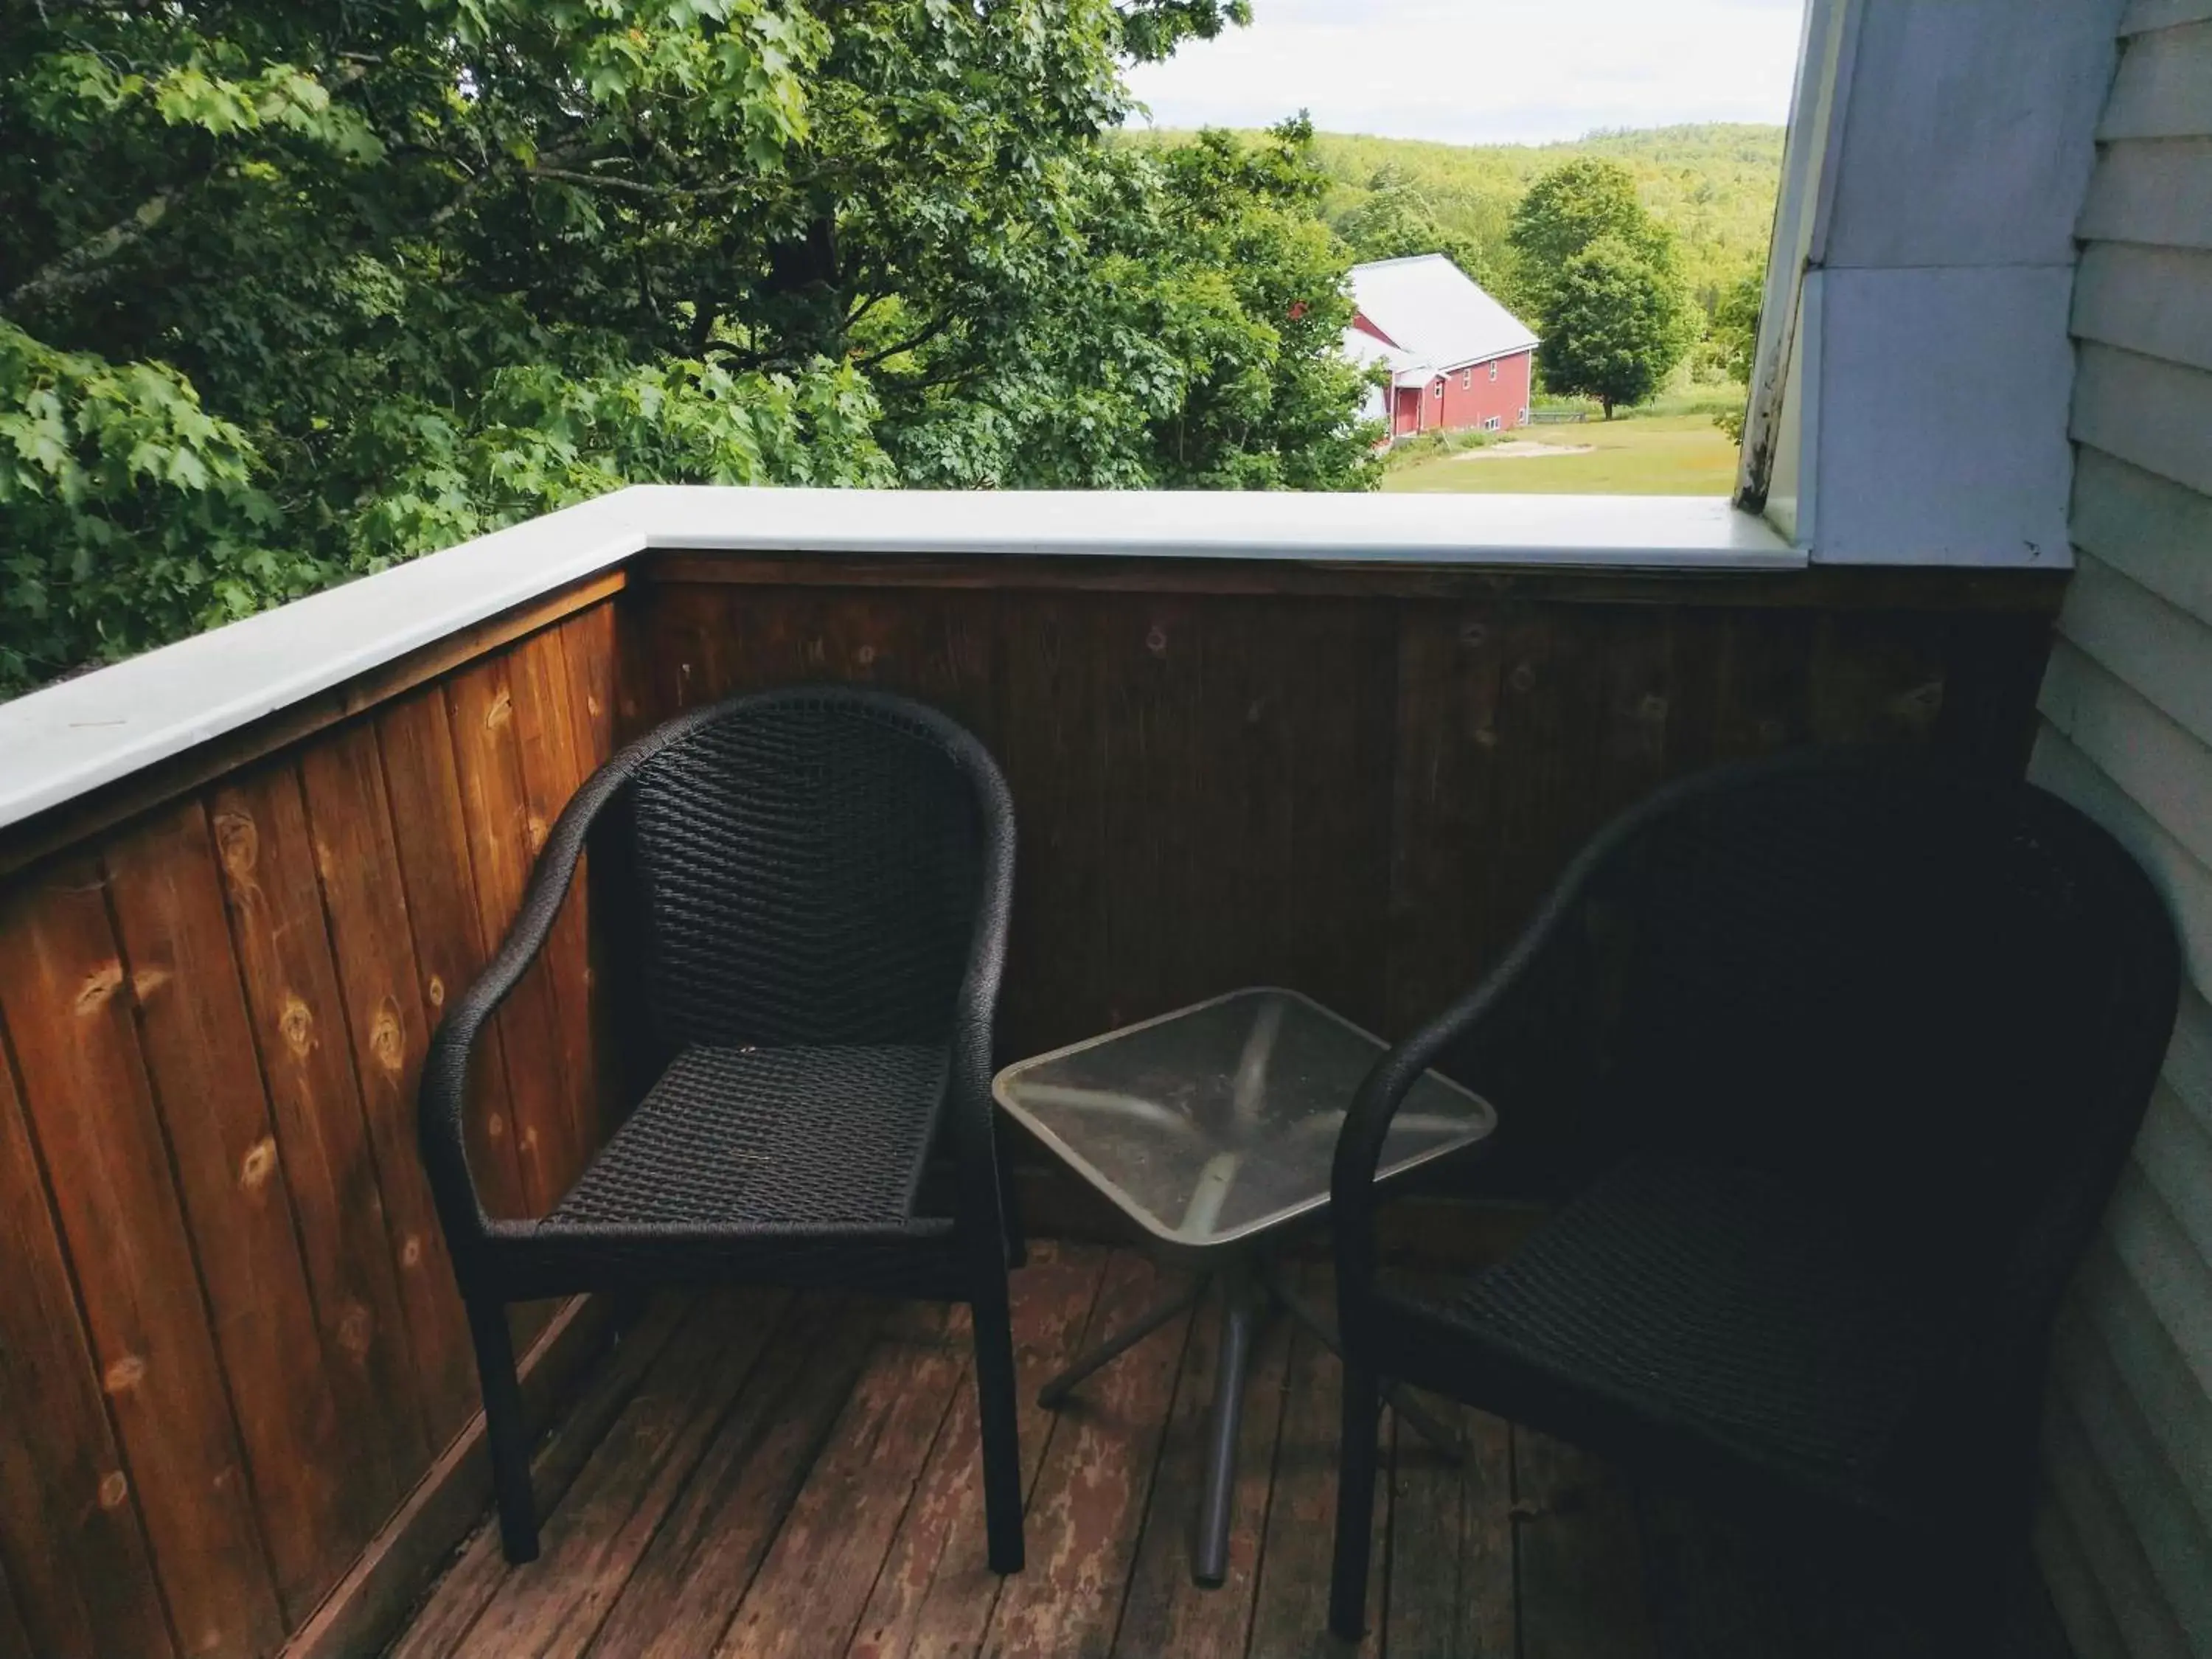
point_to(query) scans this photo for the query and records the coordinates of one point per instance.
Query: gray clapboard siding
(2144, 1482)
(2189, 1060)
(2160, 90)
(2152, 530)
(2143, 16)
(2167, 769)
(2124, 1540)
(2075, 1595)
(2157, 301)
(2185, 884)
(2116, 1556)
(2175, 1281)
(2175, 1155)
(2112, 1311)
(2146, 410)
(2152, 190)
(2156, 647)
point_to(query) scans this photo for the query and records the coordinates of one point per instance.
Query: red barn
(1458, 360)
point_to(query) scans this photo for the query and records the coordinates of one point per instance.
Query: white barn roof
(1435, 312)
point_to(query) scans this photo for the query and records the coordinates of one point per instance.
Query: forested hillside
(1713, 186)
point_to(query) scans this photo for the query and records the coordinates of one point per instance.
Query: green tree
(1601, 274)
(1569, 209)
(1395, 220)
(289, 292)
(1614, 325)
(1734, 330)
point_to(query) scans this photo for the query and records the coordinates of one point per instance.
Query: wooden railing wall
(1355, 781)
(229, 1343)
(229, 1340)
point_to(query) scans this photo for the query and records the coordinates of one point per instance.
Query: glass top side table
(1212, 1127)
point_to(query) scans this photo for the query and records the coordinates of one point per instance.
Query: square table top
(1218, 1121)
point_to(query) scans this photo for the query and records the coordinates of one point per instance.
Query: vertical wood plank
(373, 942)
(1487, 1617)
(431, 838)
(1291, 1614)
(692, 1578)
(496, 807)
(813, 1589)
(545, 732)
(70, 1535)
(1166, 1611)
(936, 1590)
(65, 1000)
(267, 852)
(15, 1636)
(1089, 1503)
(553, 1607)
(1581, 1563)
(1449, 1593)
(198, 1042)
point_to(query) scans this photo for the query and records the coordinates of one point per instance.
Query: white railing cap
(73, 738)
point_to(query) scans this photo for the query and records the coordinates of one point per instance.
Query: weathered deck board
(799, 1478)
(1088, 1503)
(711, 1543)
(1166, 1611)
(936, 1592)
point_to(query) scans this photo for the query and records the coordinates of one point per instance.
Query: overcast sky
(1485, 71)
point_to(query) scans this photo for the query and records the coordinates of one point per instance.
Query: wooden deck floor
(756, 1474)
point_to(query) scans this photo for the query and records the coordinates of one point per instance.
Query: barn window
(1493, 368)
(1467, 380)
(1440, 387)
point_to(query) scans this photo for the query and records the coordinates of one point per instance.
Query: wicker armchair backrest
(1937, 996)
(808, 867)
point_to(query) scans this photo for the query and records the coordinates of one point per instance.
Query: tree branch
(79, 267)
(919, 339)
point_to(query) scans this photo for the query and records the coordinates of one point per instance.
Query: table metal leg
(1056, 1391)
(1240, 1316)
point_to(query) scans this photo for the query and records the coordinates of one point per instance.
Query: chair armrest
(1485, 1018)
(443, 1094)
(978, 1192)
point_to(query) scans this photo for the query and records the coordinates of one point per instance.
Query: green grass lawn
(1635, 455)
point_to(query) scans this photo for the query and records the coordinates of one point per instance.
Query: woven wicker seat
(1832, 1060)
(768, 1137)
(1721, 1305)
(806, 895)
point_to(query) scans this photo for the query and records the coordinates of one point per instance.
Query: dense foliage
(289, 290)
(1600, 279)
(1713, 186)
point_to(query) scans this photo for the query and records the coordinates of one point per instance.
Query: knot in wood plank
(114, 1488)
(297, 1022)
(239, 841)
(99, 985)
(124, 1375)
(500, 712)
(357, 1329)
(387, 1041)
(258, 1163)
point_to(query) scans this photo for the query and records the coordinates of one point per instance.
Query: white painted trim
(60, 743)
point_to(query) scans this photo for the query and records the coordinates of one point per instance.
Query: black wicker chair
(1833, 1059)
(810, 890)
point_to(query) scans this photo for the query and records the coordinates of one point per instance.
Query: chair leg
(1018, 1249)
(1002, 1452)
(506, 1429)
(1355, 1502)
